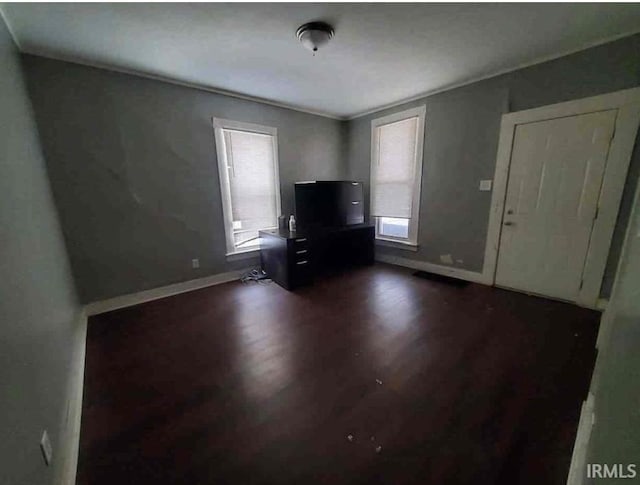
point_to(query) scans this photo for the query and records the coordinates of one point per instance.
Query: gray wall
(461, 139)
(615, 437)
(38, 306)
(132, 162)
(133, 167)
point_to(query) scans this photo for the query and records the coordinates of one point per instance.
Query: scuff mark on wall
(446, 259)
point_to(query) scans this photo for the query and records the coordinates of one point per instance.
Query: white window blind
(396, 175)
(249, 175)
(394, 168)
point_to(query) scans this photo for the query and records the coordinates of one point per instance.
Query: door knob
(508, 223)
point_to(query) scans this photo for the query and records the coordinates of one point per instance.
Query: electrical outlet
(195, 263)
(45, 447)
(485, 185)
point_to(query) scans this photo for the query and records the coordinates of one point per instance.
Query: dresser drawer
(301, 272)
(300, 253)
(299, 249)
(351, 203)
(350, 194)
(301, 265)
(355, 213)
(300, 243)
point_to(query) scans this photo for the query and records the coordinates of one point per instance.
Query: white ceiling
(381, 53)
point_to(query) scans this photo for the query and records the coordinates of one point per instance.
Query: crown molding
(536, 61)
(170, 80)
(176, 82)
(9, 28)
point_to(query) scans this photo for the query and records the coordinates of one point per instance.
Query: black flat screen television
(328, 203)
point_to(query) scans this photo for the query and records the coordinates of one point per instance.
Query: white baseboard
(70, 433)
(580, 448)
(124, 301)
(462, 274)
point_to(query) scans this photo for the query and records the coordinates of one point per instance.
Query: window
(393, 227)
(396, 172)
(248, 168)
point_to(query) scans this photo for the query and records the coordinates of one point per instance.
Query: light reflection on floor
(265, 349)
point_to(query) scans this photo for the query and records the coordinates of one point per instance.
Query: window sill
(240, 255)
(392, 243)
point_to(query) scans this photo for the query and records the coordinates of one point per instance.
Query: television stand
(294, 259)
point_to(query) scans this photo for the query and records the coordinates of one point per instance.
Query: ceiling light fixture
(314, 35)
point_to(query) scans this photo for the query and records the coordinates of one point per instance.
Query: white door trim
(69, 443)
(627, 102)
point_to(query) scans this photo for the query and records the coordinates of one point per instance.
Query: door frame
(627, 102)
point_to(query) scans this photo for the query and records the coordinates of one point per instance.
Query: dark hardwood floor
(251, 384)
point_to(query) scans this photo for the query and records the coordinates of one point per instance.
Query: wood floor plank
(251, 384)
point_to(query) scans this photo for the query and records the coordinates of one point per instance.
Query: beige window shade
(394, 169)
(252, 183)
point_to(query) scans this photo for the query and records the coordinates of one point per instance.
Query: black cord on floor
(257, 275)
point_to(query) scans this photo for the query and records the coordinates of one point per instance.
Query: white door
(554, 183)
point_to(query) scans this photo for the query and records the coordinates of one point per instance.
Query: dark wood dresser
(294, 259)
(286, 257)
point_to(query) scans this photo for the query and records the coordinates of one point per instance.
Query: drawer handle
(355, 183)
(302, 251)
(302, 262)
(301, 240)
(355, 202)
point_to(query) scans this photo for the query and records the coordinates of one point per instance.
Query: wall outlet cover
(45, 447)
(195, 263)
(485, 185)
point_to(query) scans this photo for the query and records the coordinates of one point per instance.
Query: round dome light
(314, 35)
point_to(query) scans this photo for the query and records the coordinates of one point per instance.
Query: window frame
(410, 242)
(219, 125)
